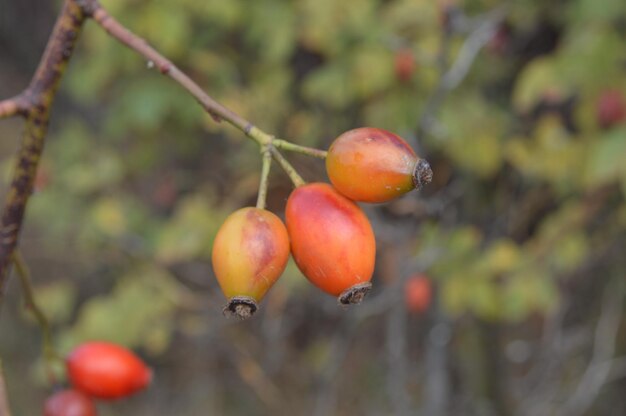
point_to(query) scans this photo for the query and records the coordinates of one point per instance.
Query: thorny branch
(34, 105)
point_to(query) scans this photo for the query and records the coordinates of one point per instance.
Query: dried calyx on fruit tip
(422, 175)
(242, 307)
(355, 294)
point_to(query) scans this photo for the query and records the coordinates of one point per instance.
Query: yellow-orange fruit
(250, 253)
(374, 165)
(332, 241)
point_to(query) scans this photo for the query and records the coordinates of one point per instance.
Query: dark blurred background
(499, 288)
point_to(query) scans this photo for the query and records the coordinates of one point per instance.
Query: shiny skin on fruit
(250, 252)
(371, 165)
(332, 240)
(69, 402)
(106, 371)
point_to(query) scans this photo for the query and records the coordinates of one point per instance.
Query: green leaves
(190, 233)
(606, 162)
(137, 313)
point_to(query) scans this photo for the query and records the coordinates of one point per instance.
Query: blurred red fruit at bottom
(69, 403)
(418, 293)
(106, 371)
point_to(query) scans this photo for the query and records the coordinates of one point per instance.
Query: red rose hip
(404, 64)
(106, 371)
(332, 241)
(69, 403)
(250, 253)
(373, 165)
(610, 108)
(418, 293)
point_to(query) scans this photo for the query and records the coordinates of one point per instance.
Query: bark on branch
(34, 104)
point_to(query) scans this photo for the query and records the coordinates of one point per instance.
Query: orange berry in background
(374, 165)
(332, 241)
(106, 371)
(418, 293)
(250, 253)
(404, 64)
(69, 403)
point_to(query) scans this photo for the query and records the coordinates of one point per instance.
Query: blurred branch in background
(4, 401)
(600, 365)
(452, 76)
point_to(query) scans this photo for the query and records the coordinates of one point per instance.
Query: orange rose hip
(374, 165)
(332, 241)
(250, 253)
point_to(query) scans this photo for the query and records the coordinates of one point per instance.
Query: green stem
(49, 351)
(265, 172)
(305, 150)
(289, 170)
(259, 136)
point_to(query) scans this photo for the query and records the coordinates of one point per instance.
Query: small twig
(13, 106)
(49, 351)
(305, 150)
(460, 68)
(396, 343)
(265, 172)
(291, 172)
(340, 346)
(597, 372)
(5, 409)
(165, 66)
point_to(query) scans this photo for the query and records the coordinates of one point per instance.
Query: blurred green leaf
(190, 233)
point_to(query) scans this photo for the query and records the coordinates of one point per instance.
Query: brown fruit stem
(422, 175)
(243, 307)
(355, 294)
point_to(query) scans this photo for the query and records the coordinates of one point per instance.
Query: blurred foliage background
(519, 106)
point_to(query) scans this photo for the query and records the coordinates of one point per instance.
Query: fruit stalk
(265, 172)
(305, 150)
(289, 170)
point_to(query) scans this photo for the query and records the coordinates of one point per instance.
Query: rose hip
(250, 253)
(332, 241)
(373, 165)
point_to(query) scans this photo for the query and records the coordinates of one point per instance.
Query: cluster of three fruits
(330, 237)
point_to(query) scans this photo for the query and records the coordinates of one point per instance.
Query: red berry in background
(610, 108)
(500, 41)
(250, 253)
(404, 64)
(69, 403)
(374, 165)
(106, 371)
(418, 293)
(332, 241)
